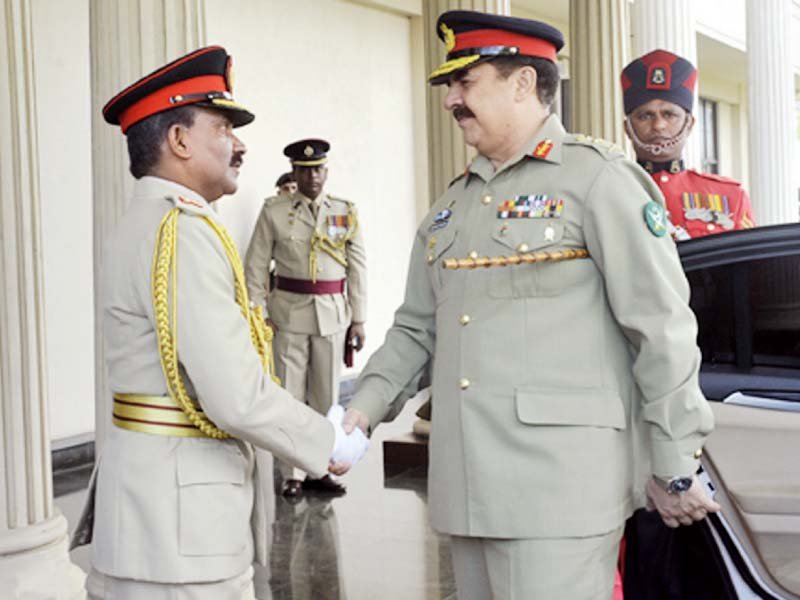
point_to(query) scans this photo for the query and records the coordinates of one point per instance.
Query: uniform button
(291, 238)
(710, 227)
(430, 258)
(523, 247)
(487, 199)
(464, 319)
(664, 179)
(473, 255)
(463, 383)
(698, 453)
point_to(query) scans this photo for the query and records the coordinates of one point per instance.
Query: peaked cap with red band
(201, 78)
(658, 75)
(475, 37)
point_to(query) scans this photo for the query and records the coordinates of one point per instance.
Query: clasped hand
(680, 509)
(348, 448)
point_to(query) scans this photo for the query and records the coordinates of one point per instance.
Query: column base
(42, 572)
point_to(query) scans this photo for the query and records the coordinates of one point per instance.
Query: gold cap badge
(308, 151)
(449, 37)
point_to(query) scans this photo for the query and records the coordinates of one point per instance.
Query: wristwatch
(674, 485)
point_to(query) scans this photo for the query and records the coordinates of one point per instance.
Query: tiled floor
(373, 543)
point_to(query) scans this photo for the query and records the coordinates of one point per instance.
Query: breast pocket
(214, 499)
(521, 236)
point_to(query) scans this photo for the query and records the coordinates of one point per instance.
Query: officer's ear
(178, 141)
(525, 79)
(690, 123)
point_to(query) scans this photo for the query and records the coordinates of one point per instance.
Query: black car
(745, 292)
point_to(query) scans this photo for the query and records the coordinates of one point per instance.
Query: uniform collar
(299, 198)
(544, 146)
(156, 187)
(670, 166)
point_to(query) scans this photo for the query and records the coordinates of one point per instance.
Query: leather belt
(153, 414)
(304, 286)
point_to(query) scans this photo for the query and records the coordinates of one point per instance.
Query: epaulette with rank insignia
(715, 177)
(606, 149)
(272, 200)
(459, 177)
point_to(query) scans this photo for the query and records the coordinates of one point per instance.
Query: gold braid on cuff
(527, 258)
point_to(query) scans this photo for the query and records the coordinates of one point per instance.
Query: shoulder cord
(164, 275)
(336, 249)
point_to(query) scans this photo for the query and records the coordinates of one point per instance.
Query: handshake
(347, 448)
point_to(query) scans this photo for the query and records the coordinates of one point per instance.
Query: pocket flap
(534, 233)
(589, 407)
(201, 462)
(439, 241)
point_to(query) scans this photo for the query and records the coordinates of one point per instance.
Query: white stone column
(129, 38)
(669, 25)
(599, 49)
(771, 117)
(448, 155)
(34, 562)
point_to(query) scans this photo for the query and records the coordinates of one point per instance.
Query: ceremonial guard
(658, 90)
(318, 306)
(175, 491)
(543, 287)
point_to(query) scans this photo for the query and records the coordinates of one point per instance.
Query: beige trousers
(309, 367)
(535, 569)
(104, 587)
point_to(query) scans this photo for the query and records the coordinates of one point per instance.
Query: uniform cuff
(676, 459)
(369, 402)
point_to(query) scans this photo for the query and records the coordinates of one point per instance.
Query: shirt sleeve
(648, 295)
(257, 259)
(408, 346)
(743, 218)
(218, 356)
(357, 276)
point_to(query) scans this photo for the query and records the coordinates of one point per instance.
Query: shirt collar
(154, 187)
(544, 146)
(670, 166)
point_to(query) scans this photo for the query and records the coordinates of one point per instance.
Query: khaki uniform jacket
(283, 232)
(175, 509)
(546, 376)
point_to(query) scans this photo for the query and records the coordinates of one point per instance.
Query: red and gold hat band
(177, 94)
(481, 38)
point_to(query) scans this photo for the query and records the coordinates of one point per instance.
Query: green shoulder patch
(656, 218)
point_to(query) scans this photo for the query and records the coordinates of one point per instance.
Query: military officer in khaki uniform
(543, 285)
(175, 492)
(318, 306)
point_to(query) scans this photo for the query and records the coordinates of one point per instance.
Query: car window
(748, 313)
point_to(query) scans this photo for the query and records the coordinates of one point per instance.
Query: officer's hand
(354, 418)
(356, 336)
(348, 447)
(680, 509)
(271, 325)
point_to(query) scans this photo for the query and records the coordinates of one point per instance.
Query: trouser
(104, 587)
(309, 367)
(535, 569)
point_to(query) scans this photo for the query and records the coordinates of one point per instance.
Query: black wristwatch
(674, 485)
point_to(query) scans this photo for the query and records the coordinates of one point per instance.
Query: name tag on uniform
(538, 206)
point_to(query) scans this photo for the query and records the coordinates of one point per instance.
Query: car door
(746, 295)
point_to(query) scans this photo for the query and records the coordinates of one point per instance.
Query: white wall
(61, 62)
(341, 71)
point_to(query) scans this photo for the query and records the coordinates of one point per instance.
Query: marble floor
(373, 543)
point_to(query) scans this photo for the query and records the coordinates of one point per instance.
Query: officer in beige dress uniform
(175, 492)
(543, 285)
(318, 306)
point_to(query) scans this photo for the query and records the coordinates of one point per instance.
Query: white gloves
(347, 449)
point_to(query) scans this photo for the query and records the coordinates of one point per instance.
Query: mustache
(237, 159)
(462, 112)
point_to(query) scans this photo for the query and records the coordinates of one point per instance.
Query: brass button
(463, 383)
(291, 238)
(487, 199)
(664, 179)
(473, 255)
(430, 259)
(698, 453)
(464, 319)
(523, 247)
(710, 227)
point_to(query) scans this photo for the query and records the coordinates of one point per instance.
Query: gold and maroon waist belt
(153, 414)
(304, 286)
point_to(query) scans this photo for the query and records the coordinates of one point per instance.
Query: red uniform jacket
(704, 204)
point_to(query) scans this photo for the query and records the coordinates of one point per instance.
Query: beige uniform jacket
(283, 232)
(175, 509)
(546, 376)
